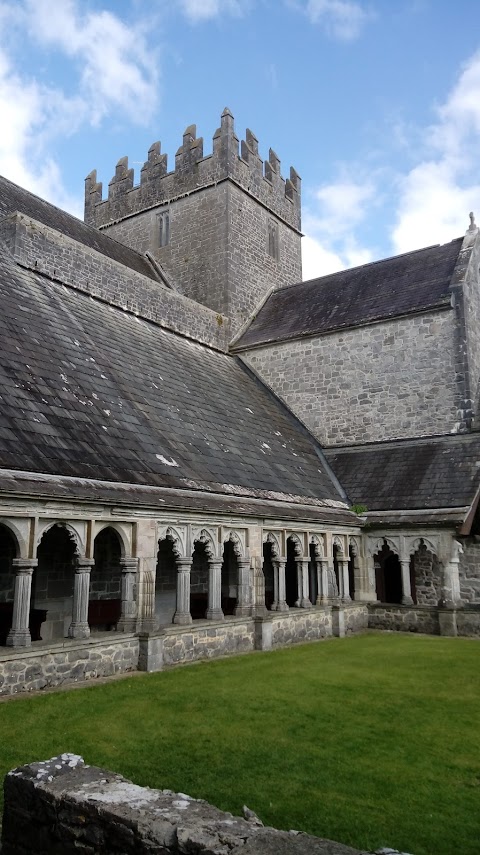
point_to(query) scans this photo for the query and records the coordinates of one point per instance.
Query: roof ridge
(413, 440)
(367, 264)
(82, 223)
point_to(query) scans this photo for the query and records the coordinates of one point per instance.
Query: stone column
(19, 635)
(298, 565)
(279, 570)
(322, 576)
(182, 614)
(451, 580)
(214, 611)
(244, 600)
(79, 627)
(128, 616)
(343, 572)
(305, 598)
(406, 587)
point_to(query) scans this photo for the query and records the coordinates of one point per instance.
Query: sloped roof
(438, 472)
(89, 391)
(14, 198)
(384, 289)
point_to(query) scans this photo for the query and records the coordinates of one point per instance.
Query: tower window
(163, 220)
(273, 239)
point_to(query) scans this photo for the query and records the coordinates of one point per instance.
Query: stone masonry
(67, 662)
(220, 209)
(377, 382)
(44, 250)
(64, 806)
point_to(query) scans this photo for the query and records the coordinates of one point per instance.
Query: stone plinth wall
(64, 806)
(468, 621)
(44, 666)
(356, 618)
(207, 641)
(404, 618)
(300, 625)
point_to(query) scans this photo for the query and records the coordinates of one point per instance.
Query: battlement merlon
(230, 159)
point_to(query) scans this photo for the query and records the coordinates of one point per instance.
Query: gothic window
(273, 239)
(163, 220)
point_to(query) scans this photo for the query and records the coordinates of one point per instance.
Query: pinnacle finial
(473, 226)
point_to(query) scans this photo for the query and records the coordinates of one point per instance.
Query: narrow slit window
(163, 228)
(273, 239)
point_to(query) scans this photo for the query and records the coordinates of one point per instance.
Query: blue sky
(376, 103)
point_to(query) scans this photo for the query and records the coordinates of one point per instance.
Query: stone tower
(225, 227)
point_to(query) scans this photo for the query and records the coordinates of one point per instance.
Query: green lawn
(373, 740)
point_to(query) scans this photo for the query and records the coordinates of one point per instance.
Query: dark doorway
(199, 582)
(291, 577)
(388, 576)
(312, 576)
(268, 574)
(229, 578)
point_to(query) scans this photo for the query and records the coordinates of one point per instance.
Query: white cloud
(204, 10)
(119, 69)
(342, 19)
(437, 195)
(116, 72)
(330, 243)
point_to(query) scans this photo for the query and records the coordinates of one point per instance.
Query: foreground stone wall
(63, 806)
(404, 618)
(67, 662)
(300, 625)
(206, 641)
(468, 621)
(356, 618)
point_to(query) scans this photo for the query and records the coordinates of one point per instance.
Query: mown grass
(371, 741)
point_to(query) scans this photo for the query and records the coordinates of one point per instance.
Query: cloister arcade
(68, 578)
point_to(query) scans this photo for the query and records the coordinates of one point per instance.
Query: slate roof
(89, 391)
(439, 472)
(384, 289)
(14, 198)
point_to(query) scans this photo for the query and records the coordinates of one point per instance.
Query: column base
(282, 607)
(242, 611)
(182, 618)
(305, 603)
(214, 614)
(126, 624)
(322, 601)
(407, 601)
(347, 600)
(79, 630)
(19, 638)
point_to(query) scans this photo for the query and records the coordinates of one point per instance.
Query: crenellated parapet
(230, 159)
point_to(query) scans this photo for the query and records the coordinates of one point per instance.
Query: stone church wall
(469, 570)
(217, 252)
(44, 250)
(384, 381)
(428, 582)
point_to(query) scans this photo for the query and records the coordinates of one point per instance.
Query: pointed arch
(318, 543)
(14, 534)
(238, 547)
(69, 529)
(274, 541)
(208, 542)
(124, 542)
